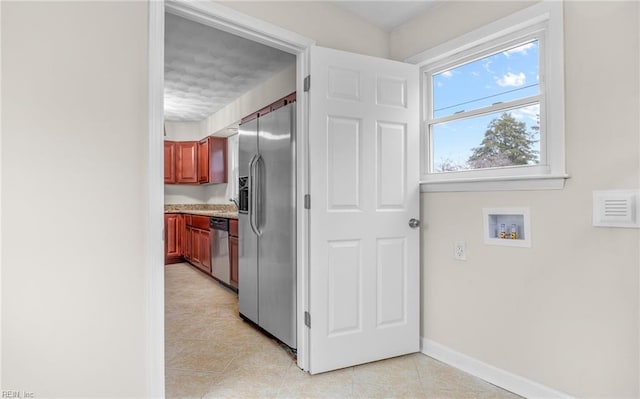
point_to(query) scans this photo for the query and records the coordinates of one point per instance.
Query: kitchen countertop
(215, 210)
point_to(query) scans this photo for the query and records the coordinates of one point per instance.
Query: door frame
(231, 21)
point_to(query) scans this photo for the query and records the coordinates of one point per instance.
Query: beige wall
(74, 180)
(409, 38)
(329, 25)
(563, 313)
(185, 131)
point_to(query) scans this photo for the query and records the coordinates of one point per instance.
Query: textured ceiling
(206, 69)
(387, 14)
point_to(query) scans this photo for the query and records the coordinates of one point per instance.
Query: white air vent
(616, 208)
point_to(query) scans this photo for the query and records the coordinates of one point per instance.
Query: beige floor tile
(392, 378)
(442, 381)
(248, 383)
(211, 352)
(269, 356)
(187, 383)
(300, 384)
(199, 355)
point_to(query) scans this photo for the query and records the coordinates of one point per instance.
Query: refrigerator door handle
(259, 190)
(253, 193)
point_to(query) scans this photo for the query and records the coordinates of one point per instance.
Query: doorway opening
(265, 39)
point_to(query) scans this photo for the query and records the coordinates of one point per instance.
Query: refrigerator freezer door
(276, 222)
(247, 240)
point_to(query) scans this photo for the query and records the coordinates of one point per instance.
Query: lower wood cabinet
(187, 237)
(199, 242)
(173, 238)
(233, 251)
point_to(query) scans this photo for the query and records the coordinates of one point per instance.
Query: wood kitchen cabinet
(186, 161)
(169, 162)
(233, 251)
(172, 239)
(198, 242)
(186, 238)
(196, 162)
(212, 160)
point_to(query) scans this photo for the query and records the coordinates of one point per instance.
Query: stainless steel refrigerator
(266, 261)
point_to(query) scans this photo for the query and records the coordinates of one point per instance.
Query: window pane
(501, 77)
(499, 139)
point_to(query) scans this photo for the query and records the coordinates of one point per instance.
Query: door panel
(343, 163)
(364, 258)
(203, 161)
(187, 161)
(169, 162)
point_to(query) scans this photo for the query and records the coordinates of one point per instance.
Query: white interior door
(364, 281)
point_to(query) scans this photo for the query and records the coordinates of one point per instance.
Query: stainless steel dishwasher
(220, 268)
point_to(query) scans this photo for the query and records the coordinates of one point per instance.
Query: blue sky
(501, 77)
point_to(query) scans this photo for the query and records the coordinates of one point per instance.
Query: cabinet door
(188, 243)
(169, 162)
(217, 159)
(233, 260)
(205, 248)
(172, 252)
(187, 161)
(182, 233)
(195, 248)
(203, 161)
(233, 227)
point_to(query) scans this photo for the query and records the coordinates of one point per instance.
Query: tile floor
(211, 353)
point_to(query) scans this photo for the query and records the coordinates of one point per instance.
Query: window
(493, 115)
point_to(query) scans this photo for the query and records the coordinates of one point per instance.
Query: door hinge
(307, 319)
(307, 83)
(307, 201)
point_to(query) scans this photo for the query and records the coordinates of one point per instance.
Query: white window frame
(544, 22)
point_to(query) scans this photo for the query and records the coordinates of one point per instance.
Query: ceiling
(206, 69)
(387, 14)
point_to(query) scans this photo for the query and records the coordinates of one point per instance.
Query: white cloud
(447, 74)
(518, 50)
(474, 73)
(439, 84)
(529, 112)
(511, 79)
(487, 66)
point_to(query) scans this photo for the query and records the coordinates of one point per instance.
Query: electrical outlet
(460, 250)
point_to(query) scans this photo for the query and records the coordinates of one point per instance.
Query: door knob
(413, 223)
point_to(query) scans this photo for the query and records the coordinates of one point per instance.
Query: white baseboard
(504, 379)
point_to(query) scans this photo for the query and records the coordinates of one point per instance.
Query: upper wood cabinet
(193, 162)
(169, 162)
(187, 161)
(203, 161)
(212, 160)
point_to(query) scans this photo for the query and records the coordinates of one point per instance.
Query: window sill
(520, 183)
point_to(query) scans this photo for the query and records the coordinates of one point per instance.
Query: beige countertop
(216, 210)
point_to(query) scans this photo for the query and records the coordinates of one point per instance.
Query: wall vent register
(616, 208)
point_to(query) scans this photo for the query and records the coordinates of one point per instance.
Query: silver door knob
(414, 223)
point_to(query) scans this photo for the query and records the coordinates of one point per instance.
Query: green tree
(506, 142)
(448, 165)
